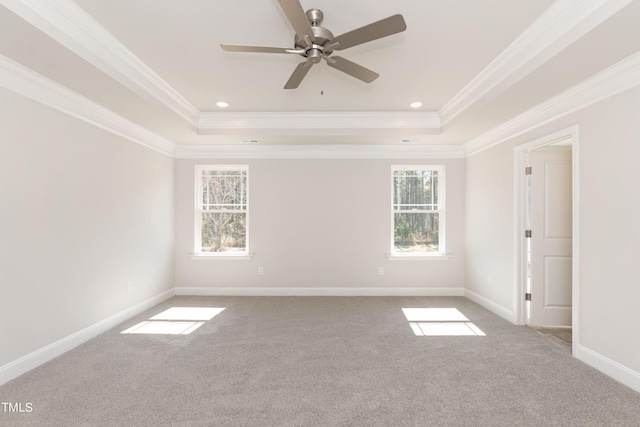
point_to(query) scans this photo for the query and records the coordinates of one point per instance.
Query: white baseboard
(608, 367)
(26, 363)
(496, 309)
(316, 291)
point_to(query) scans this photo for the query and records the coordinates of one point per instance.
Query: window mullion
(222, 208)
(416, 212)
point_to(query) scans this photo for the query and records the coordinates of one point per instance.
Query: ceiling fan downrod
(317, 47)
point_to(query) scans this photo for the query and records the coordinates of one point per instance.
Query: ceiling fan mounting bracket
(315, 17)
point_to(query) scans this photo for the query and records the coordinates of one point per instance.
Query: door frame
(519, 214)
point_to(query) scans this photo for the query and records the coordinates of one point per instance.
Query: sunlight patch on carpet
(175, 321)
(434, 315)
(188, 313)
(162, 327)
(440, 322)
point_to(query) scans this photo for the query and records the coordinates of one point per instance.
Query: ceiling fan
(316, 43)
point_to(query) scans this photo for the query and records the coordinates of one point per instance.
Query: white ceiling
(474, 64)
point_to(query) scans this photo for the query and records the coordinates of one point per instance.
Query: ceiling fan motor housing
(321, 37)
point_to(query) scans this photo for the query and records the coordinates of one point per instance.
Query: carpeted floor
(319, 361)
(558, 334)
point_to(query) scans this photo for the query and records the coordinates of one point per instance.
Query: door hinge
(528, 170)
(527, 296)
(527, 234)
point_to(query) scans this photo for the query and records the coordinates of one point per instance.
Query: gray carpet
(320, 361)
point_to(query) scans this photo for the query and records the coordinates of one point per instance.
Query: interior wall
(83, 212)
(489, 225)
(318, 224)
(609, 207)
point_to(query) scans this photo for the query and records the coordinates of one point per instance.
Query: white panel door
(551, 220)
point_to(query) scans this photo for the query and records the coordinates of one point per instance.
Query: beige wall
(82, 212)
(489, 225)
(319, 223)
(608, 153)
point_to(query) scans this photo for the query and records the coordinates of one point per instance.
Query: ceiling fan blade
(258, 49)
(297, 17)
(298, 74)
(353, 69)
(383, 28)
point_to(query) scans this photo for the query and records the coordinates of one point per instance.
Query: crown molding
(617, 78)
(613, 80)
(71, 26)
(319, 152)
(559, 26)
(322, 123)
(30, 84)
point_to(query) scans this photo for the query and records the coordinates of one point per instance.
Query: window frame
(441, 211)
(198, 253)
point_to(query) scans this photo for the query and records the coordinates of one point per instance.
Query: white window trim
(441, 254)
(198, 254)
(221, 256)
(435, 256)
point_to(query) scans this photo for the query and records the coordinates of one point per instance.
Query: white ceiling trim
(26, 82)
(563, 23)
(63, 20)
(617, 78)
(324, 123)
(71, 26)
(558, 27)
(319, 152)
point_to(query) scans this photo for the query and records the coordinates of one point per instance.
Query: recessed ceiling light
(416, 104)
(222, 104)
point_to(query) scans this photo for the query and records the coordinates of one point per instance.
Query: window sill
(222, 257)
(418, 257)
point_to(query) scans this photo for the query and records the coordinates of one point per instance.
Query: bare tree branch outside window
(224, 210)
(416, 211)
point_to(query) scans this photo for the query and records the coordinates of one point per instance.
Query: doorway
(550, 238)
(546, 235)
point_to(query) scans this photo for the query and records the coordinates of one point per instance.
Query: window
(418, 210)
(221, 210)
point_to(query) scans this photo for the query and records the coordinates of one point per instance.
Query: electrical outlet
(129, 286)
(260, 271)
(380, 271)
